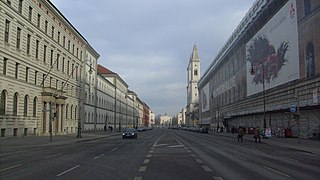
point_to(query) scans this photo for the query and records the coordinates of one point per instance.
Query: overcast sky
(149, 42)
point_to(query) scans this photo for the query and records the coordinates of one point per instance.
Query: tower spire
(194, 55)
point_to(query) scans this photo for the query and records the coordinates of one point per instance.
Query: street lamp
(253, 72)
(83, 87)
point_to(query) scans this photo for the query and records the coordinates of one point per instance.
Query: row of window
(71, 68)
(56, 36)
(15, 112)
(52, 83)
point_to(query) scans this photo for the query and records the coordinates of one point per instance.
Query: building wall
(231, 106)
(48, 49)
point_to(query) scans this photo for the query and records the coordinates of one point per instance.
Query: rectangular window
(77, 52)
(37, 49)
(43, 79)
(73, 49)
(9, 2)
(46, 27)
(69, 45)
(80, 55)
(58, 55)
(20, 6)
(17, 71)
(35, 77)
(68, 68)
(6, 31)
(58, 37)
(30, 13)
(4, 70)
(52, 32)
(51, 58)
(72, 66)
(18, 38)
(50, 82)
(28, 43)
(63, 64)
(57, 84)
(39, 21)
(27, 74)
(44, 53)
(64, 42)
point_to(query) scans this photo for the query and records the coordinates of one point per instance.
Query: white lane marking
(98, 156)
(50, 156)
(146, 161)
(199, 161)
(10, 167)
(193, 155)
(217, 178)
(115, 149)
(243, 158)
(310, 154)
(177, 146)
(188, 151)
(206, 168)
(149, 155)
(4, 154)
(276, 171)
(158, 145)
(186, 148)
(156, 142)
(68, 170)
(138, 178)
(289, 158)
(151, 151)
(143, 169)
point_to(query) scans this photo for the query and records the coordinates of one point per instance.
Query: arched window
(15, 104)
(310, 64)
(89, 117)
(3, 101)
(25, 109)
(196, 72)
(307, 7)
(35, 100)
(67, 109)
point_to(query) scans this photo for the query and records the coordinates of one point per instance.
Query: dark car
(129, 133)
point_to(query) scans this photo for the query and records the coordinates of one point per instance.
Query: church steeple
(194, 55)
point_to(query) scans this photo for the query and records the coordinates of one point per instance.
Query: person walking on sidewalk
(257, 135)
(240, 134)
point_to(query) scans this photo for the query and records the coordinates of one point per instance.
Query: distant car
(129, 133)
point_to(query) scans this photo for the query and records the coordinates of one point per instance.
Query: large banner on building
(273, 54)
(204, 98)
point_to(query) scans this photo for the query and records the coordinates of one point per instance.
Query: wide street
(157, 154)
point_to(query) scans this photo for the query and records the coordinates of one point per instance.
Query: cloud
(149, 42)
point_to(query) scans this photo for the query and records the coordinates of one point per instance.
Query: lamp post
(82, 92)
(253, 72)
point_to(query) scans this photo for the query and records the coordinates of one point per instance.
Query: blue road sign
(293, 108)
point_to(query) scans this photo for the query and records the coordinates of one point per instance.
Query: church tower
(192, 112)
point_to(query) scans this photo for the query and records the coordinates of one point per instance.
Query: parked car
(129, 133)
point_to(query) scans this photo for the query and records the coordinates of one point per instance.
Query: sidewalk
(305, 145)
(56, 139)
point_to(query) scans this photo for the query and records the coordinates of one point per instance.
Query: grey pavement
(56, 139)
(305, 145)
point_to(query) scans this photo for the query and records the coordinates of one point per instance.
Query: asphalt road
(158, 154)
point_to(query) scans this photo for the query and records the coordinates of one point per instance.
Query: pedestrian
(240, 134)
(257, 135)
(105, 128)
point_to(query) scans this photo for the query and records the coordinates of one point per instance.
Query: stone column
(58, 119)
(47, 118)
(62, 118)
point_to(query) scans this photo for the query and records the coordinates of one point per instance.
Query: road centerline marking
(98, 156)
(143, 169)
(68, 170)
(50, 156)
(138, 178)
(149, 155)
(115, 149)
(146, 161)
(15, 166)
(206, 168)
(284, 174)
(199, 161)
